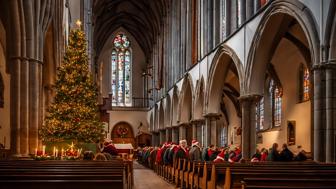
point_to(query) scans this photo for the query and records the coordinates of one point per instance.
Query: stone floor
(145, 178)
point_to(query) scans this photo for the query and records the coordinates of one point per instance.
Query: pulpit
(125, 150)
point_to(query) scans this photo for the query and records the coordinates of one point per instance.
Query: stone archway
(222, 106)
(122, 132)
(198, 122)
(287, 29)
(185, 109)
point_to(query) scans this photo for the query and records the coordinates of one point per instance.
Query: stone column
(29, 22)
(174, 134)
(207, 135)
(248, 103)
(211, 128)
(194, 129)
(256, 5)
(15, 54)
(319, 114)
(167, 134)
(330, 112)
(249, 9)
(153, 139)
(182, 132)
(160, 137)
(242, 13)
(227, 17)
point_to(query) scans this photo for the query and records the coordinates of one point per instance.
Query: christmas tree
(73, 114)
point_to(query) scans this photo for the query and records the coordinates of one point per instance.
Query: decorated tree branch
(74, 113)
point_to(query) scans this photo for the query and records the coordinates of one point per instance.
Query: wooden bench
(65, 174)
(307, 183)
(230, 175)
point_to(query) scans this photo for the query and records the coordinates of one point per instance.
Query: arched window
(304, 84)
(121, 71)
(260, 114)
(276, 103)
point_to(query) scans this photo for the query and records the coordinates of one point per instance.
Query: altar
(125, 150)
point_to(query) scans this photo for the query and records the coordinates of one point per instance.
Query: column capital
(184, 124)
(29, 59)
(197, 121)
(250, 98)
(212, 116)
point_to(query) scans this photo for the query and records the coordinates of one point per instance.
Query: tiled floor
(146, 179)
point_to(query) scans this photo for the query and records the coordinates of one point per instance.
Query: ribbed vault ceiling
(141, 18)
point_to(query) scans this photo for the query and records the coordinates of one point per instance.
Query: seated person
(301, 156)
(100, 157)
(110, 148)
(88, 155)
(286, 154)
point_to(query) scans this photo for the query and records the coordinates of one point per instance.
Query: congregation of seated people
(171, 151)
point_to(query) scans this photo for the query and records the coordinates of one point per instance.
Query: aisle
(145, 178)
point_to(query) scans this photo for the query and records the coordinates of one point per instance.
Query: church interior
(167, 94)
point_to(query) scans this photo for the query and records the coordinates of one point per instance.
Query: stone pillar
(211, 128)
(248, 124)
(29, 22)
(213, 131)
(153, 139)
(174, 135)
(167, 134)
(249, 9)
(34, 112)
(207, 130)
(24, 109)
(242, 13)
(15, 107)
(256, 5)
(330, 112)
(194, 129)
(160, 137)
(319, 114)
(182, 132)
(227, 17)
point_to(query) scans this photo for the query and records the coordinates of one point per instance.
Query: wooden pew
(308, 183)
(64, 174)
(196, 174)
(233, 174)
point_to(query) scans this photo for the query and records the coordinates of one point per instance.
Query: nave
(145, 178)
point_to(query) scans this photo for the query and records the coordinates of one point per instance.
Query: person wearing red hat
(195, 152)
(220, 157)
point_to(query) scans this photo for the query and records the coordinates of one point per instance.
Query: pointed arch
(185, 100)
(199, 99)
(278, 12)
(224, 60)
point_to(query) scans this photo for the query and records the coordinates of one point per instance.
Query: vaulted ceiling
(141, 18)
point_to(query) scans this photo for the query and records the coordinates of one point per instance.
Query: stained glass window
(121, 71)
(260, 114)
(276, 103)
(306, 84)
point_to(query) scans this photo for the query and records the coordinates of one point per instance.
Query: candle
(35, 151)
(43, 150)
(54, 152)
